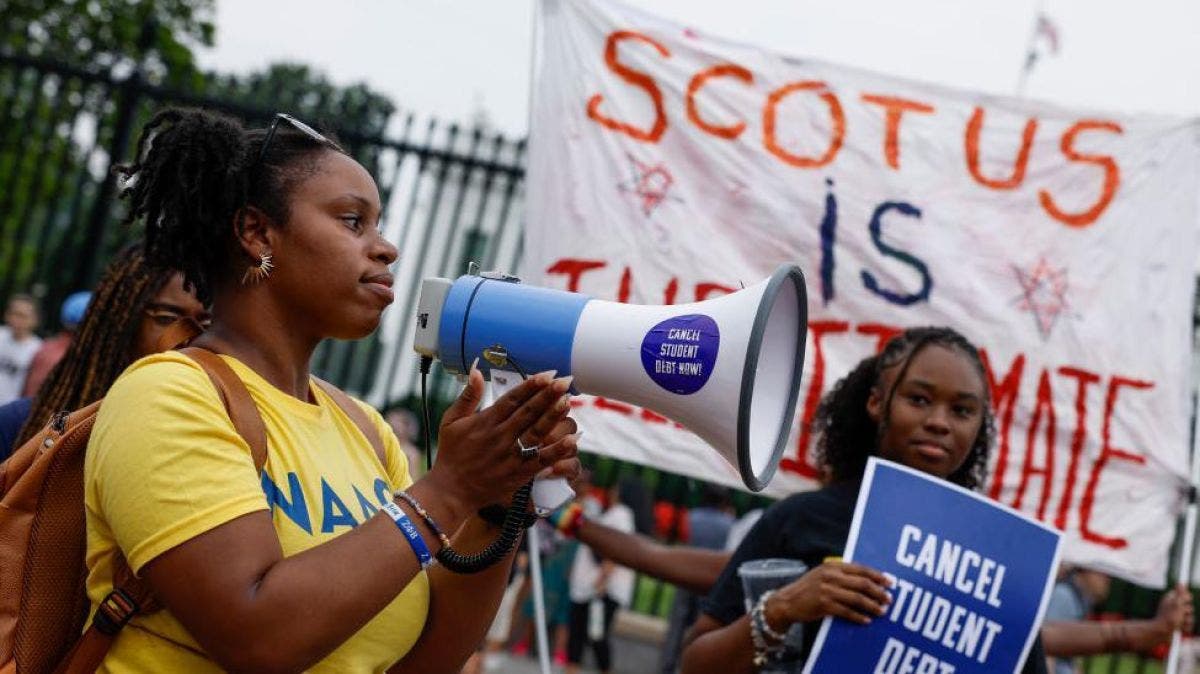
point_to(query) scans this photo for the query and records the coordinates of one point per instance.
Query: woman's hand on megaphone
(561, 441)
(479, 461)
(556, 437)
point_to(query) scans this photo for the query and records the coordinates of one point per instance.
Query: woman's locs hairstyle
(846, 434)
(104, 341)
(193, 173)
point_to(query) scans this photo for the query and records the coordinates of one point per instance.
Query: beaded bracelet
(761, 650)
(758, 627)
(425, 516)
(761, 610)
(410, 533)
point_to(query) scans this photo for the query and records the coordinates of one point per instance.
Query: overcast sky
(451, 58)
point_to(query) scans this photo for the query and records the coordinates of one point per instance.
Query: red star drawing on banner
(650, 183)
(1043, 293)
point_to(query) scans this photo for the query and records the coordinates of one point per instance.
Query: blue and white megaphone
(727, 368)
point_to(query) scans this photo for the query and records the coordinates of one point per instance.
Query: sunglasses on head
(299, 126)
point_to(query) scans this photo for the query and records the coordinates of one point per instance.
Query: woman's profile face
(936, 412)
(331, 262)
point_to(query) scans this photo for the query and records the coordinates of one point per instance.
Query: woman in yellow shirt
(312, 565)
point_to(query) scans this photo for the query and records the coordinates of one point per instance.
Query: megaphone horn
(686, 361)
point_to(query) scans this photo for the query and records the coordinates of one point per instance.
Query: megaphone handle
(548, 493)
(551, 493)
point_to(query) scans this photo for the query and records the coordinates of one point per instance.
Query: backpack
(43, 535)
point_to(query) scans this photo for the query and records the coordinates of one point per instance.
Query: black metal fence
(450, 195)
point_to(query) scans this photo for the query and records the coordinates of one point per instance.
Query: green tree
(104, 34)
(354, 112)
(58, 128)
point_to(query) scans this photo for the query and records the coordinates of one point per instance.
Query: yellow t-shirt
(165, 465)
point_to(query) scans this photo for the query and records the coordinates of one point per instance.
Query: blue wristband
(410, 532)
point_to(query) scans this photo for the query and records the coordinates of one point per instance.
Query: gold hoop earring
(258, 272)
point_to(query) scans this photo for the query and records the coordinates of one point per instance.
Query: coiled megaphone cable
(514, 522)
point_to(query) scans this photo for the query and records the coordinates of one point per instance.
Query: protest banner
(669, 166)
(972, 580)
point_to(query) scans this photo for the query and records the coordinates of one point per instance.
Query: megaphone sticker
(679, 353)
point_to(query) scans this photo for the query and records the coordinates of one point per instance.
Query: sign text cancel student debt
(971, 580)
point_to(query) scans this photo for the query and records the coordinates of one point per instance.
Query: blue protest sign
(972, 579)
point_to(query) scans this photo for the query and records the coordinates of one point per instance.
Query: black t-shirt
(809, 527)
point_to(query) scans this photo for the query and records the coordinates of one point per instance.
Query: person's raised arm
(1071, 638)
(254, 610)
(694, 569)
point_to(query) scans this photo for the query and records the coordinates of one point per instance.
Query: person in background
(710, 523)
(53, 349)
(1064, 633)
(598, 586)
(492, 656)
(1067, 634)
(924, 402)
(557, 560)
(130, 308)
(740, 528)
(18, 343)
(521, 627)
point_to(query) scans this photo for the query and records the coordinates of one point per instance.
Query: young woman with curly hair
(923, 402)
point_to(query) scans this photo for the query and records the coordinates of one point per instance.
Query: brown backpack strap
(130, 596)
(178, 334)
(357, 415)
(241, 408)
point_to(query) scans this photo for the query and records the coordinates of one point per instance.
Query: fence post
(129, 91)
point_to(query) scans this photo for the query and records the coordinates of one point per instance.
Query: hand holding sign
(971, 580)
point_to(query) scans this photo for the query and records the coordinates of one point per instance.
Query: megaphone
(727, 368)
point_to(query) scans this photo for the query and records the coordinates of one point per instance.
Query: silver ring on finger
(527, 452)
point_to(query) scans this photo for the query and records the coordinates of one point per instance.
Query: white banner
(668, 166)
